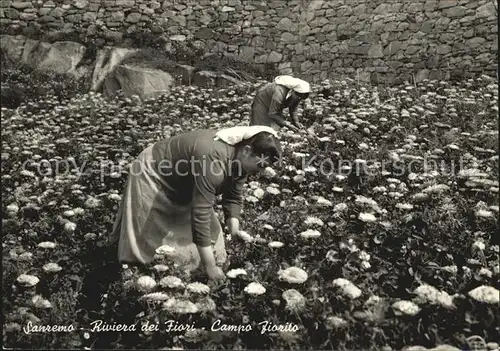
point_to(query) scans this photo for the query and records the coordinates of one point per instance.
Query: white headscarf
(234, 135)
(295, 84)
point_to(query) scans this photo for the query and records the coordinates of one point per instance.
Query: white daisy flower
(275, 244)
(69, 213)
(259, 193)
(310, 233)
(255, 289)
(334, 322)
(434, 296)
(156, 296)
(347, 288)
(340, 207)
(12, 209)
(206, 305)
(404, 206)
(294, 275)
(114, 197)
(160, 268)
(269, 173)
(294, 300)
(321, 201)
(146, 283)
(405, 307)
(28, 280)
(165, 250)
(70, 227)
(180, 306)
(478, 244)
(273, 191)
(39, 302)
(313, 221)
(198, 288)
(485, 294)
(171, 282)
(233, 273)
(52, 268)
(367, 217)
(47, 245)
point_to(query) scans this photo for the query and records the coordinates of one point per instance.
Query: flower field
(378, 233)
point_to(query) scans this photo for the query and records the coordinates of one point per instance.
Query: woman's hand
(214, 272)
(233, 226)
(292, 127)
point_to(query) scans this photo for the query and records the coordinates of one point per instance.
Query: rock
(474, 42)
(422, 75)
(415, 7)
(59, 57)
(228, 9)
(359, 9)
(286, 25)
(12, 47)
(117, 16)
(306, 66)
(285, 68)
(80, 4)
(178, 37)
(107, 60)
(486, 10)
(443, 4)
(125, 3)
(21, 5)
(133, 17)
(113, 35)
(382, 9)
(246, 53)
(288, 37)
(443, 49)
(140, 81)
(376, 51)
(63, 57)
(274, 57)
(90, 17)
(204, 78)
(57, 12)
(457, 11)
(26, 16)
(180, 20)
(11, 13)
(204, 33)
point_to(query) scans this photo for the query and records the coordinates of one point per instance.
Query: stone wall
(366, 39)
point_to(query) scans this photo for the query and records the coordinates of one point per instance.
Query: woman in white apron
(273, 98)
(171, 188)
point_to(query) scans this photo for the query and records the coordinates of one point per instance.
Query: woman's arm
(232, 203)
(275, 109)
(293, 112)
(206, 178)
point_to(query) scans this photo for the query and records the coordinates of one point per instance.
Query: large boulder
(140, 81)
(63, 57)
(12, 47)
(107, 60)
